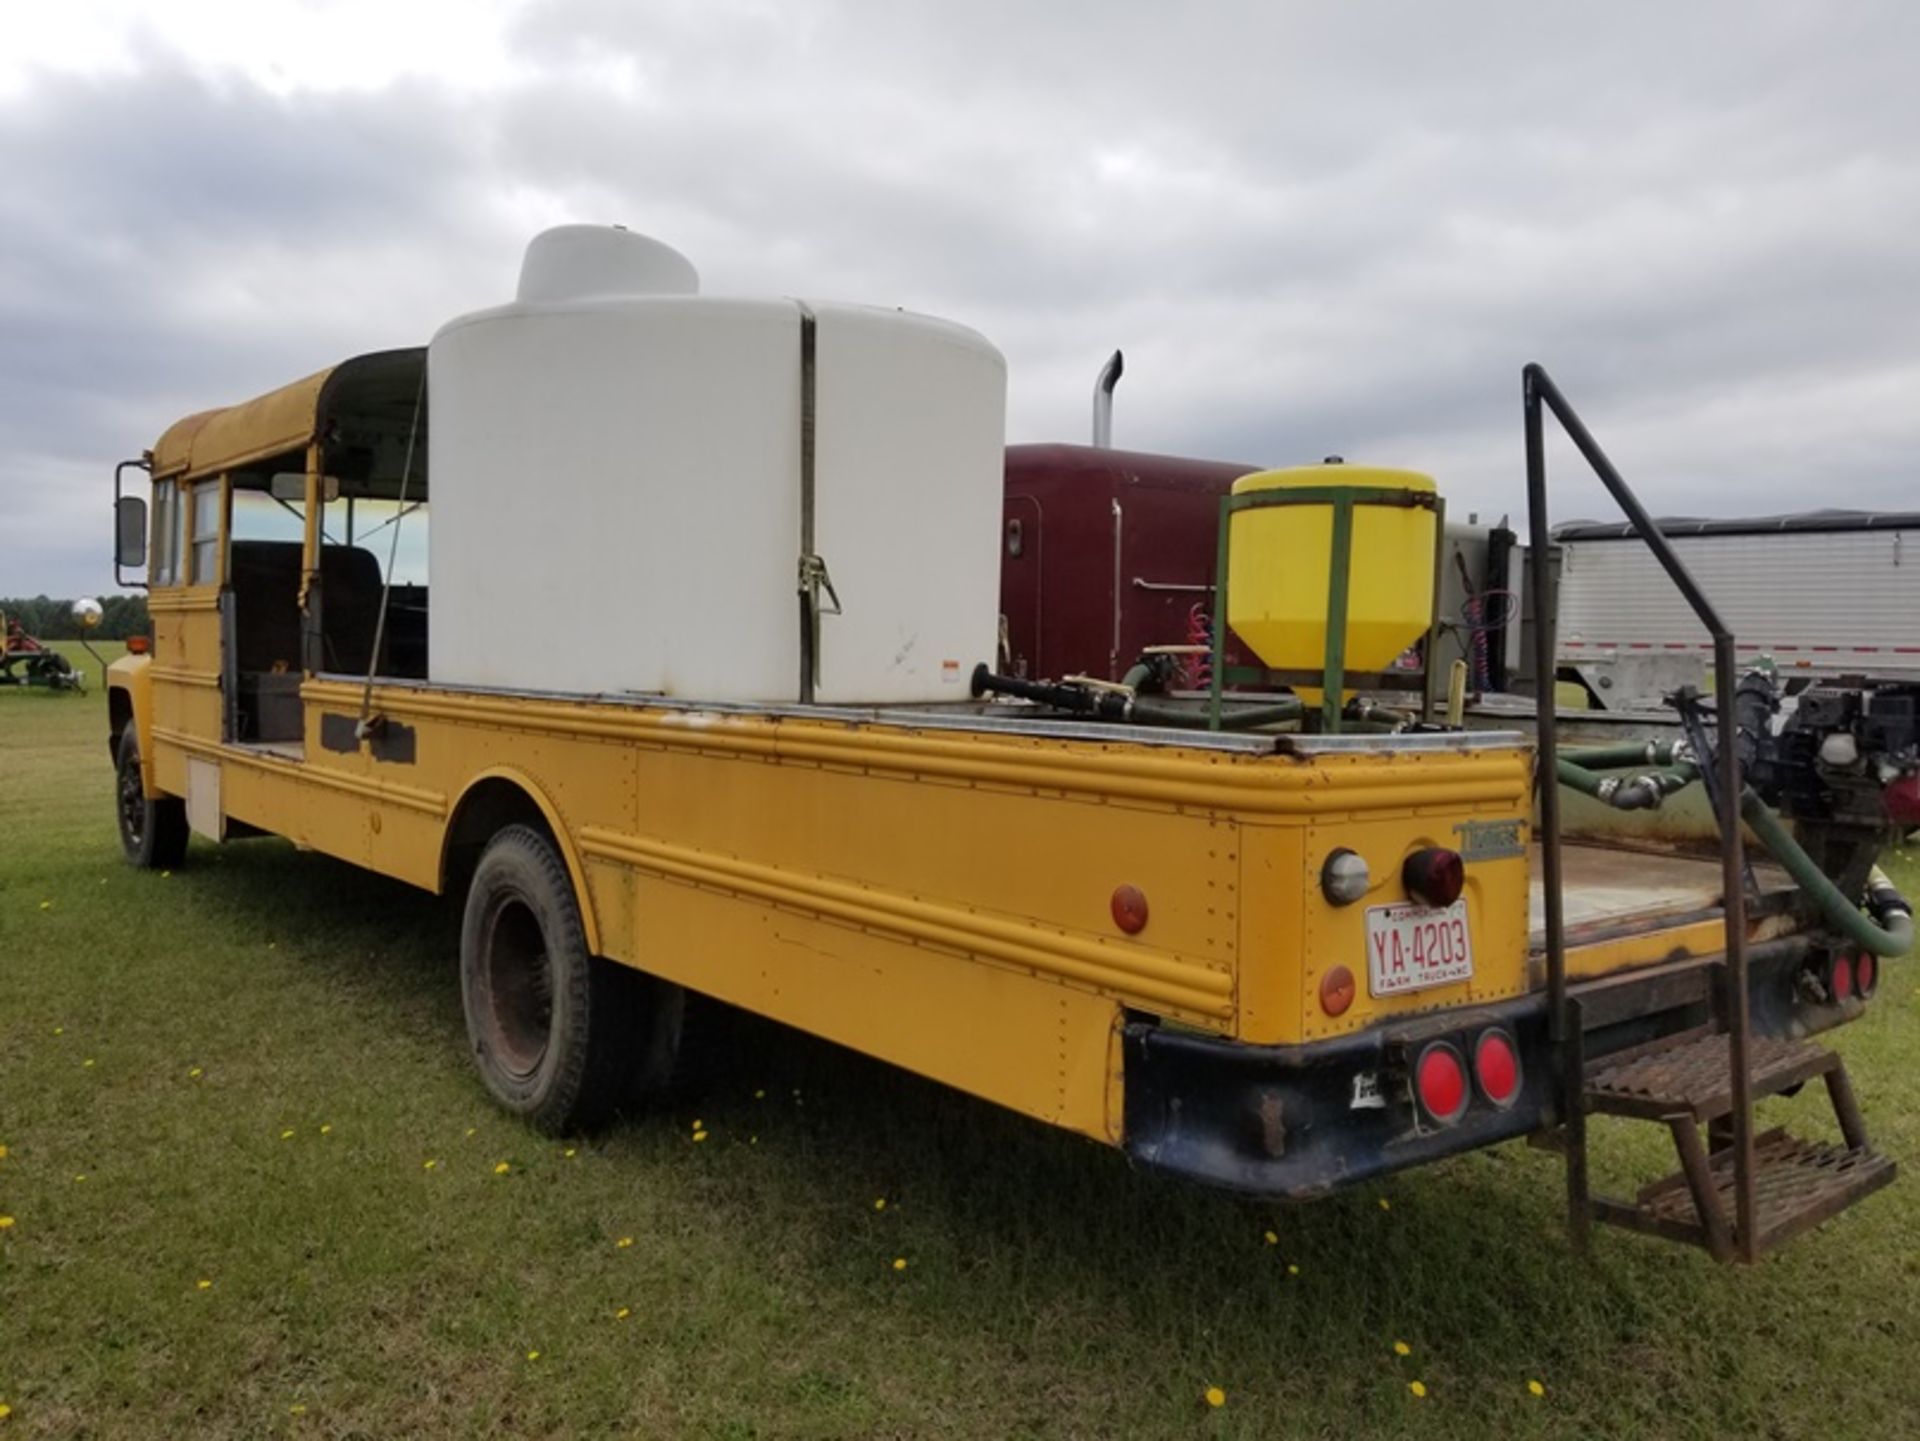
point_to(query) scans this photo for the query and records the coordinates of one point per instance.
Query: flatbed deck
(1604, 888)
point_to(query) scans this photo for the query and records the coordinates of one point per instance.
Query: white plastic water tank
(615, 467)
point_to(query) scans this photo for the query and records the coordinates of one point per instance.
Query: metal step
(1695, 1077)
(1797, 1185)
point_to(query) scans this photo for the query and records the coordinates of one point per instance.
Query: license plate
(1410, 948)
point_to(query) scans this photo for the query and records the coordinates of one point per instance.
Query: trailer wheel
(560, 1035)
(153, 832)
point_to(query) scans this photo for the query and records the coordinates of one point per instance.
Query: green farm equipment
(25, 660)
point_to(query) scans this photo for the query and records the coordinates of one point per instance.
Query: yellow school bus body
(936, 896)
(931, 886)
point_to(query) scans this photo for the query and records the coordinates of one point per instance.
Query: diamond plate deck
(1695, 1078)
(1797, 1185)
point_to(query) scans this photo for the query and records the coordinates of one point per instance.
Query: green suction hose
(1628, 793)
(1890, 936)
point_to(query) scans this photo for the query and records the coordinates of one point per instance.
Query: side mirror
(130, 532)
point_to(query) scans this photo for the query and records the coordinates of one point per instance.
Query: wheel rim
(519, 987)
(133, 806)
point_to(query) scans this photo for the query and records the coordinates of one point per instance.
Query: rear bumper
(1298, 1122)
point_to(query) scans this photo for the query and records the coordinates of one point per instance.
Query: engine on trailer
(1845, 754)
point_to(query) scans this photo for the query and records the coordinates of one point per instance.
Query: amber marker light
(1336, 991)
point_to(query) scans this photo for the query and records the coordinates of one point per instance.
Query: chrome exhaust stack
(1103, 385)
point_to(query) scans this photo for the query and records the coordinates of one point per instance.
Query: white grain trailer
(1825, 593)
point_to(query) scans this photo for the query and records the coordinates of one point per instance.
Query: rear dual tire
(562, 1038)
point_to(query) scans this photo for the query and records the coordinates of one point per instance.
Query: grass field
(255, 1191)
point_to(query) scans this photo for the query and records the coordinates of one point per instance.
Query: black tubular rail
(1537, 391)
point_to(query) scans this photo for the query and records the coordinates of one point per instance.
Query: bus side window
(205, 556)
(166, 531)
(177, 546)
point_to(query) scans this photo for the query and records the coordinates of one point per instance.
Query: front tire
(560, 1035)
(153, 830)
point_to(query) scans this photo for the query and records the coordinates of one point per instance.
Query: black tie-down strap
(813, 577)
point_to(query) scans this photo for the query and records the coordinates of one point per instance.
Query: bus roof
(215, 441)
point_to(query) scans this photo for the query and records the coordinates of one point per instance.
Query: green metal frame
(1343, 498)
(1433, 678)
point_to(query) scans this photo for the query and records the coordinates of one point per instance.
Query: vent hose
(1119, 706)
(1159, 713)
(1616, 757)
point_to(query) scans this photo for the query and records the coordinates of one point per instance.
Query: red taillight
(1496, 1065)
(137, 645)
(1129, 907)
(1440, 1080)
(1336, 991)
(1434, 876)
(1840, 976)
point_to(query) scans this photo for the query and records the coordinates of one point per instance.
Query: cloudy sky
(1312, 228)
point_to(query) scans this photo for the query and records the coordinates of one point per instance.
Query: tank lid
(1334, 471)
(578, 262)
